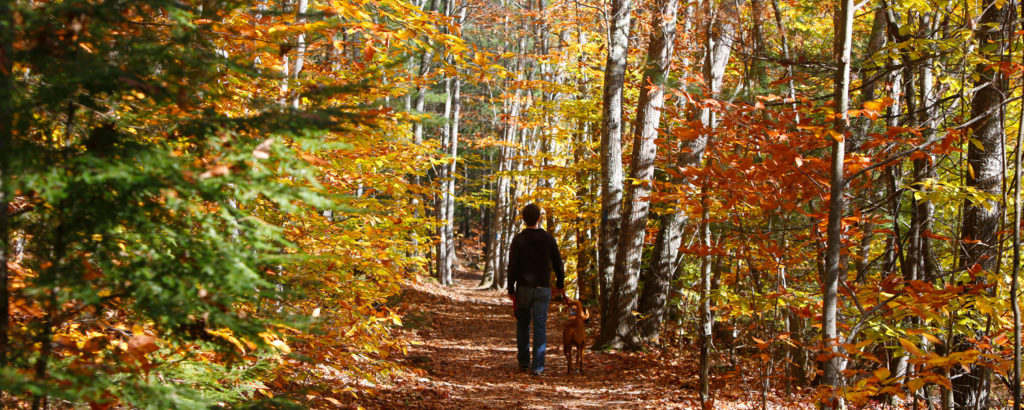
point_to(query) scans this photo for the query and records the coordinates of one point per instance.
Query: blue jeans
(532, 305)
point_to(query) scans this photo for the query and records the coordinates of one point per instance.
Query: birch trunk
(447, 171)
(834, 271)
(421, 94)
(637, 202)
(706, 318)
(300, 50)
(785, 52)
(498, 251)
(452, 171)
(611, 156)
(1015, 278)
(981, 221)
(441, 208)
(720, 34)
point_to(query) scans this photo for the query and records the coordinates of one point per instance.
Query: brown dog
(574, 335)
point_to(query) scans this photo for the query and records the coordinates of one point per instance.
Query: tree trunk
(443, 175)
(447, 172)
(497, 230)
(1015, 278)
(300, 50)
(584, 233)
(981, 221)
(868, 91)
(706, 318)
(784, 37)
(502, 203)
(421, 95)
(637, 202)
(720, 36)
(6, 118)
(658, 279)
(757, 75)
(452, 171)
(611, 157)
(834, 272)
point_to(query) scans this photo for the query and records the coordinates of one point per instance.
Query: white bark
(611, 159)
(834, 271)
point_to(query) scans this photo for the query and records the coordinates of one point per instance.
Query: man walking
(533, 255)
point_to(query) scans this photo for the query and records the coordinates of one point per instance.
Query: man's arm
(557, 265)
(513, 267)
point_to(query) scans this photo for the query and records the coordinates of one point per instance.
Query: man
(532, 256)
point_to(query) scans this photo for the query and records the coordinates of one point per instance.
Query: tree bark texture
(6, 117)
(784, 39)
(441, 207)
(834, 271)
(981, 221)
(638, 191)
(706, 318)
(452, 171)
(720, 37)
(611, 155)
(447, 171)
(422, 88)
(300, 50)
(1015, 278)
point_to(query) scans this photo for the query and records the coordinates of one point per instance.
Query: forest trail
(464, 343)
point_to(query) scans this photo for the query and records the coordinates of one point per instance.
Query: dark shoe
(524, 369)
(536, 373)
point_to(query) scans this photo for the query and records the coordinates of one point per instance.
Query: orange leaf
(910, 348)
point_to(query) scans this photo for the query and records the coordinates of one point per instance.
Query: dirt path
(465, 344)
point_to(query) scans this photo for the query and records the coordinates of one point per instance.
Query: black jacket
(533, 255)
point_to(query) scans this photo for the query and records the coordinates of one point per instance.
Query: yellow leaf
(879, 104)
(881, 373)
(834, 135)
(226, 334)
(977, 144)
(939, 361)
(281, 346)
(932, 338)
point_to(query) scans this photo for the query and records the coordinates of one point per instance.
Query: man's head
(531, 214)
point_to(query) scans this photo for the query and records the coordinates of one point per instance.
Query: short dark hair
(531, 213)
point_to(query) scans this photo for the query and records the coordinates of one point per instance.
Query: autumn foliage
(188, 226)
(220, 203)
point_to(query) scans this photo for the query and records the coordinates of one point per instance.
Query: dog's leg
(568, 359)
(579, 359)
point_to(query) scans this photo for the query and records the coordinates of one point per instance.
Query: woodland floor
(464, 341)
